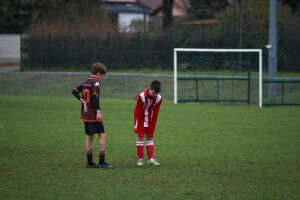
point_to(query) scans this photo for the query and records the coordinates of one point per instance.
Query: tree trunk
(167, 14)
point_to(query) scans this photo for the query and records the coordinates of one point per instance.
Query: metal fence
(60, 84)
(226, 89)
(76, 51)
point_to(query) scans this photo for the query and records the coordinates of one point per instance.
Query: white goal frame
(259, 51)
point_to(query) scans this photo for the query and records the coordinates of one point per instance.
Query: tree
(15, 16)
(21, 15)
(260, 14)
(291, 3)
(205, 9)
(167, 14)
(258, 38)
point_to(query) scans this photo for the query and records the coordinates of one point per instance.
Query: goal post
(176, 50)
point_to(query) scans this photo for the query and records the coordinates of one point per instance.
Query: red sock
(140, 149)
(150, 149)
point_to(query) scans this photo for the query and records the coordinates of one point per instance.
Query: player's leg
(88, 142)
(149, 146)
(140, 149)
(89, 151)
(150, 149)
(99, 128)
(88, 145)
(101, 147)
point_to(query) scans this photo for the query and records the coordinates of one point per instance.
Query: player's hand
(84, 107)
(99, 116)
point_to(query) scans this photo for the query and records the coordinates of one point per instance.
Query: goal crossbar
(259, 51)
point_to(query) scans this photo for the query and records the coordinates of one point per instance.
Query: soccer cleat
(92, 165)
(153, 162)
(140, 163)
(105, 165)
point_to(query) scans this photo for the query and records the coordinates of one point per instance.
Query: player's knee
(90, 138)
(102, 136)
(89, 149)
(148, 138)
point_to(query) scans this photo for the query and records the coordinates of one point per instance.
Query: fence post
(171, 49)
(138, 50)
(107, 61)
(202, 58)
(49, 51)
(253, 89)
(186, 90)
(197, 93)
(107, 51)
(43, 83)
(203, 39)
(218, 89)
(21, 54)
(78, 51)
(249, 77)
(252, 24)
(126, 86)
(287, 91)
(17, 83)
(282, 89)
(70, 83)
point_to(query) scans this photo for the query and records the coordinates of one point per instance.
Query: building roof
(122, 1)
(125, 8)
(154, 5)
(204, 22)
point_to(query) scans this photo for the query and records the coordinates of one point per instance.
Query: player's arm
(97, 105)
(139, 115)
(76, 92)
(155, 114)
(96, 101)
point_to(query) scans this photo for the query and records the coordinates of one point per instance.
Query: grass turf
(206, 151)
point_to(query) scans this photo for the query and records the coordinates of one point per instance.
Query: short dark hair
(155, 85)
(98, 68)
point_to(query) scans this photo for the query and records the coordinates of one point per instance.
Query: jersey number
(86, 95)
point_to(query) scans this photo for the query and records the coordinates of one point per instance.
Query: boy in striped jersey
(145, 117)
(91, 114)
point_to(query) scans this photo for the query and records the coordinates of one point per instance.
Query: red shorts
(146, 130)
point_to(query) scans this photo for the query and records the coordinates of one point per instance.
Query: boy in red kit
(145, 116)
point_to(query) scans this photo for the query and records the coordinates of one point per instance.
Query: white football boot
(140, 163)
(153, 162)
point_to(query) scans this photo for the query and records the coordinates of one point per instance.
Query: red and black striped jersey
(89, 89)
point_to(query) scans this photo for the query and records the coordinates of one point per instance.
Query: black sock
(89, 157)
(101, 157)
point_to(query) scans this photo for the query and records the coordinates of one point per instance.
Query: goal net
(217, 75)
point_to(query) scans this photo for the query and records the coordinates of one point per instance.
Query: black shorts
(92, 128)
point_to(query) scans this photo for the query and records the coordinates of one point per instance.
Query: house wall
(125, 20)
(176, 12)
(10, 48)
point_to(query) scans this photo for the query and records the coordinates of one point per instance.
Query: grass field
(206, 151)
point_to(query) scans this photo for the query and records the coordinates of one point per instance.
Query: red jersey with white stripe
(146, 112)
